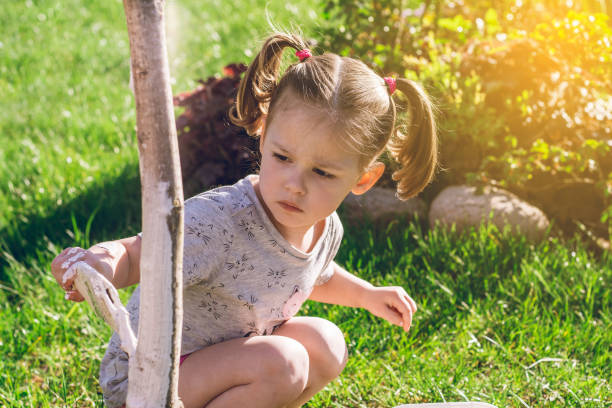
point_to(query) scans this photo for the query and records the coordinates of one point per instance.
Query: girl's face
(305, 174)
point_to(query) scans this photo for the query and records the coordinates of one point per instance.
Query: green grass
(67, 117)
(499, 320)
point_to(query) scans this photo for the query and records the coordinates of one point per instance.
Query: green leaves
(523, 89)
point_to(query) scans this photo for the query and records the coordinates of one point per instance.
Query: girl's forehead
(311, 135)
(303, 122)
(291, 106)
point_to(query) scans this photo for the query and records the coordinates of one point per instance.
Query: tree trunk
(153, 372)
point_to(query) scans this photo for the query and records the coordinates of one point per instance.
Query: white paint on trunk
(153, 369)
(165, 203)
(155, 315)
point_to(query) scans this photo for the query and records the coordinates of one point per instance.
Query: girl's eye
(323, 173)
(280, 157)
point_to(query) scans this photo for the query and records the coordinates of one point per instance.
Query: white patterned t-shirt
(241, 277)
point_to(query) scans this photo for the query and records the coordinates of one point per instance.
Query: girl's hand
(69, 257)
(392, 303)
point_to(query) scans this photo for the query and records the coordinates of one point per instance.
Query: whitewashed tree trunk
(153, 371)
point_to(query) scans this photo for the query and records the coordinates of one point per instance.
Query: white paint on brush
(70, 274)
(72, 260)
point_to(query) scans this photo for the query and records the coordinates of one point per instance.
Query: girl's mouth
(289, 206)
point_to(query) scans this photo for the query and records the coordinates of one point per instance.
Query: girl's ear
(369, 178)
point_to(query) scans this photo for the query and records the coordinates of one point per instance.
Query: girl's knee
(285, 364)
(335, 351)
(324, 342)
(328, 347)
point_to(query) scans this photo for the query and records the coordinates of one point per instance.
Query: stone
(382, 206)
(464, 207)
(469, 404)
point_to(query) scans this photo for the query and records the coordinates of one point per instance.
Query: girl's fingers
(407, 316)
(406, 298)
(74, 296)
(412, 303)
(399, 306)
(397, 317)
(406, 307)
(404, 319)
(68, 278)
(74, 255)
(65, 276)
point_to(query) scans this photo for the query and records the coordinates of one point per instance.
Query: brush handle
(104, 299)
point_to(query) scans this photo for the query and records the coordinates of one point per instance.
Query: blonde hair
(356, 100)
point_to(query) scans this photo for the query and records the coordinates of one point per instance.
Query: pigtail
(259, 82)
(417, 150)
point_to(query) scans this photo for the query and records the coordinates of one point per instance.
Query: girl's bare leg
(282, 370)
(261, 371)
(327, 352)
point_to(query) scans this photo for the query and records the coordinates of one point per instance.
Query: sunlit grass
(67, 116)
(500, 320)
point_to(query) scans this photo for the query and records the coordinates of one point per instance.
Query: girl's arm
(343, 288)
(123, 256)
(392, 303)
(118, 261)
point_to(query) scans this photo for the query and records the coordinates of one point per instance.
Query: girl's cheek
(327, 185)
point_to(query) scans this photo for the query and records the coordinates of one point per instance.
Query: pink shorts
(181, 362)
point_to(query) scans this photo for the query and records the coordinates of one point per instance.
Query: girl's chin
(289, 222)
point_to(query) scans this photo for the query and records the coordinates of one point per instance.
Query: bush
(526, 100)
(213, 151)
(553, 93)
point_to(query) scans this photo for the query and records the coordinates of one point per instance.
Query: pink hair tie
(303, 54)
(391, 82)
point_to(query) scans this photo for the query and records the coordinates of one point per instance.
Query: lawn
(500, 320)
(67, 115)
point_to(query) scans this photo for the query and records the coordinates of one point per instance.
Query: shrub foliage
(524, 90)
(213, 151)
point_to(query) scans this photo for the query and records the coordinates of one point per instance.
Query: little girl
(256, 250)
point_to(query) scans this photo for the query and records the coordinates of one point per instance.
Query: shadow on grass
(109, 207)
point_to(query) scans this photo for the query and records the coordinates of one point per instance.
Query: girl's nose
(295, 183)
